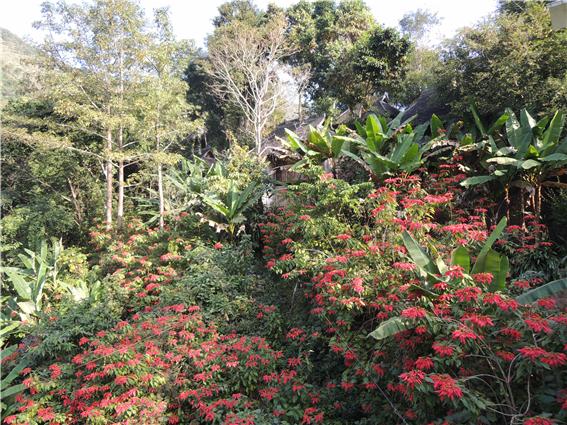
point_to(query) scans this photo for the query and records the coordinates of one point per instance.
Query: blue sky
(192, 18)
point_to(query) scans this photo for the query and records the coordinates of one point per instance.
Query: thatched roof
(272, 145)
(427, 104)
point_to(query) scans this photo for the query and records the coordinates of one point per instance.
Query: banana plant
(487, 261)
(432, 270)
(385, 148)
(232, 206)
(550, 289)
(8, 385)
(530, 153)
(320, 146)
(91, 291)
(28, 283)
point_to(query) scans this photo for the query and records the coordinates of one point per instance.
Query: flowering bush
(450, 349)
(163, 365)
(351, 327)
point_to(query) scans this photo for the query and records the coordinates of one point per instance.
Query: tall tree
(165, 117)
(243, 64)
(351, 57)
(422, 59)
(416, 25)
(93, 51)
(514, 59)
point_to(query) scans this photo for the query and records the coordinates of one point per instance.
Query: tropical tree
(524, 158)
(514, 59)
(349, 55)
(91, 67)
(244, 59)
(165, 118)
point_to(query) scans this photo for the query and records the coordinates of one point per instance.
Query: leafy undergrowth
(198, 333)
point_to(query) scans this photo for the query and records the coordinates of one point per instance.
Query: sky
(192, 19)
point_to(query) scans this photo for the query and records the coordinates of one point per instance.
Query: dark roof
(427, 104)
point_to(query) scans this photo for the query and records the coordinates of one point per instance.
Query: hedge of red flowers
(347, 330)
(460, 352)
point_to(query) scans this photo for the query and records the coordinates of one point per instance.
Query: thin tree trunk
(76, 203)
(300, 106)
(120, 207)
(258, 128)
(161, 198)
(120, 212)
(109, 186)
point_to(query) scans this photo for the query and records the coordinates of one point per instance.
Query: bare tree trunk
(120, 212)
(120, 208)
(161, 198)
(300, 106)
(76, 203)
(109, 187)
(258, 137)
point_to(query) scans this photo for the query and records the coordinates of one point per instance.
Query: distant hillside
(15, 69)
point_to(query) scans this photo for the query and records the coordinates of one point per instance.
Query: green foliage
(550, 289)
(320, 146)
(390, 327)
(513, 60)
(232, 207)
(76, 319)
(487, 260)
(350, 56)
(9, 377)
(219, 280)
(556, 217)
(387, 148)
(528, 150)
(40, 270)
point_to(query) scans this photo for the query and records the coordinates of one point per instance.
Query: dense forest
(314, 219)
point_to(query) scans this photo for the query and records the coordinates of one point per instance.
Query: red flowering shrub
(164, 365)
(450, 349)
(445, 348)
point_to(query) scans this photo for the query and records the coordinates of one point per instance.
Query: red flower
(446, 387)
(121, 380)
(343, 237)
(413, 377)
(538, 421)
(356, 285)
(463, 334)
(468, 294)
(55, 371)
(442, 350)
(483, 278)
(404, 266)
(46, 414)
(414, 312)
(532, 353)
(269, 393)
(424, 363)
(218, 245)
(538, 324)
(478, 319)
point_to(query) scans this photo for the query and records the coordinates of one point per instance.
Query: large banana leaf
(418, 255)
(548, 290)
(391, 327)
(476, 180)
(436, 125)
(553, 132)
(461, 257)
(479, 265)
